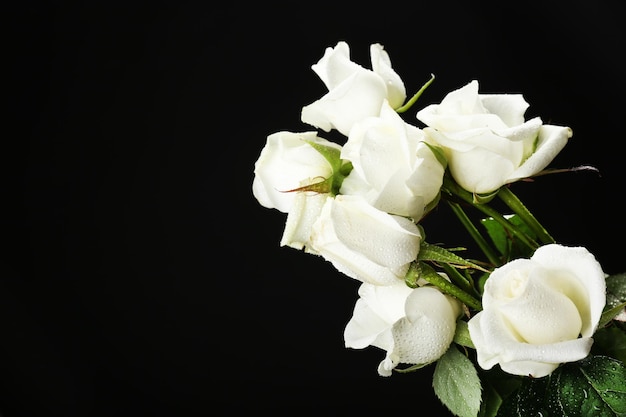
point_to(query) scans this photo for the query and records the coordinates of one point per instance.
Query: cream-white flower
(363, 242)
(487, 141)
(394, 170)
(287, 162)
(540, 312)
(354, 92)
(414, 326)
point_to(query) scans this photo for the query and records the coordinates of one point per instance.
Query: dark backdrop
(139, 275)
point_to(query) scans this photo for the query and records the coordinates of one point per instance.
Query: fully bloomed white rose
(354, 92)
(363, 242)
(487, 141)
(287, 162)
(414, 326)
(393, 169)
(540, 312)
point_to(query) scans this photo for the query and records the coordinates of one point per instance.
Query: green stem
(454, 189)
(422, 270)
(474, 233)
(458, 278)
(514, 203)
(417, 95)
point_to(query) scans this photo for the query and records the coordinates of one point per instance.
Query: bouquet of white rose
(534, 328)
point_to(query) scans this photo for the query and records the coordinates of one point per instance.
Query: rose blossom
(393, 168)
(363, 242)
(540, 312)
(414, 326)
(486, 140)
(354, 92)
(287, 162)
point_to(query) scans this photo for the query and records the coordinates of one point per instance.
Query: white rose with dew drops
(540, 312)
(354, 92)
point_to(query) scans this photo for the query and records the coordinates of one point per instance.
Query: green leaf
(527, 400)
(505, 243)
(610, 341)
(616, 289)
(497, 385)
(491, 402)
(594, 386)
(456, 383)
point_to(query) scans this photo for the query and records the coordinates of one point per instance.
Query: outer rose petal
(343, 235)
(287, 162)
(381, 65)
(357, 97)
(304, 212)
(493, 347)
(551, 140)
(335, 66)
(510, 108)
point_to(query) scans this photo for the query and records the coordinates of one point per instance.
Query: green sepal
(341, 175)
(608, 315)
(437, 254)
(330, 153)
(615, 298)
(411, 368)
(340, 169)
(439, 154)
(417, 95)
(462, 335)
(484, 198)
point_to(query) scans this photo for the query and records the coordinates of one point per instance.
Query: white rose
(363, 242)
(486, 140)
(354, 92)
(287, 162)
(414, 326)
(540, 312)
(394, 170)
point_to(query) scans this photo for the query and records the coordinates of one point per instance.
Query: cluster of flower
(359, 206)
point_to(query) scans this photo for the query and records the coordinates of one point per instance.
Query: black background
(139, 275)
